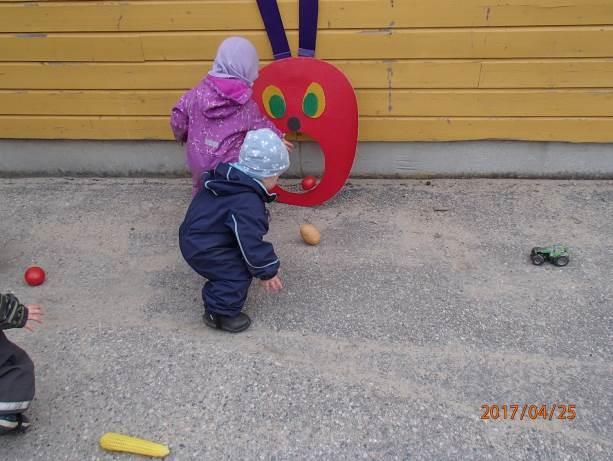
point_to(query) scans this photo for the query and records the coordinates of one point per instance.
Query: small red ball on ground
(308, 182)
(34, 276)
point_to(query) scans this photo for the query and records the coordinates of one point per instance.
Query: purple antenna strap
(269, 10)
(309, 10)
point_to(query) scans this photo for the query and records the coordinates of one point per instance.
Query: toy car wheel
(537, 260)
(561, 261)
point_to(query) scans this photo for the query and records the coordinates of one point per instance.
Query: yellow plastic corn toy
(118, 442)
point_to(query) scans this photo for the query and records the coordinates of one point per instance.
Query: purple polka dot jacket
(212, 120)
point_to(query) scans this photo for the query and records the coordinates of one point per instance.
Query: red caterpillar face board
(308, 96)
(312, 97)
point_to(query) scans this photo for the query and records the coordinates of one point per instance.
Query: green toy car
(557, 254)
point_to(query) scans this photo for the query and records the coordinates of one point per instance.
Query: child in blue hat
(221, 237)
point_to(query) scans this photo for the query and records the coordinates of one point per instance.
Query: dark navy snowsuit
(16, 368)
(221, 237)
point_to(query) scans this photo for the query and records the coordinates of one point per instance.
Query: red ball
(34, 276)
(308, 183)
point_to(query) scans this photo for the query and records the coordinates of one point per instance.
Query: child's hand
(272, 285)
(35, 314)
(287, 144)
(181, 141)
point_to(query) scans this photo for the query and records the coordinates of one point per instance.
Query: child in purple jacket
(214, 117)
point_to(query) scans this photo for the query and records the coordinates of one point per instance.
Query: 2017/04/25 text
(528, 411)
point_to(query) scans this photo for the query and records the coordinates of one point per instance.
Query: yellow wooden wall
(423, 69)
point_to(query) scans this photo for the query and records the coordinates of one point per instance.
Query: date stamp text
(521, 412)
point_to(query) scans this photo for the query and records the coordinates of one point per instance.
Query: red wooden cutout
(335, 129)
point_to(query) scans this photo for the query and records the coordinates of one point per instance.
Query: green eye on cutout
(274, 102)
(314, 102)
(277, 106)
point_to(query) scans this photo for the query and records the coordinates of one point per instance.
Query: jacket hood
(228, 180)
(222, 97)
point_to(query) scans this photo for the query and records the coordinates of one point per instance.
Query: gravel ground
(419, 306)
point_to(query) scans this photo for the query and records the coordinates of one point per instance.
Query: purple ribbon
(269, 10)
(308, 15)
(309, 10)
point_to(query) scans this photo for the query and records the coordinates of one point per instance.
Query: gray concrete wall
(374, 159)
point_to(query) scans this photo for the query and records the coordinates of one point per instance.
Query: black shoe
(226, 323)
(13, 423)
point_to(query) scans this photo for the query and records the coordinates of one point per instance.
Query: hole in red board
(306, 169)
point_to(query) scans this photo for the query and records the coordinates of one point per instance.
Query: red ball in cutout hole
(308, 183)
(34, 276)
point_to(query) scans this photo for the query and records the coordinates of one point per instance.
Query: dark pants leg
(16, 378)
(225, 297)
(229, 279)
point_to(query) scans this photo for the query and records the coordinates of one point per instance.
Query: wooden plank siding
(375, 103)
(224, 15)
(396, 74)
(424, 70)
(571, 129)
(467, 43)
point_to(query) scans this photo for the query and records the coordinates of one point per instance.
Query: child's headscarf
(236, 58)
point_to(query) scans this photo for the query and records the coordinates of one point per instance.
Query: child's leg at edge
(16, 378)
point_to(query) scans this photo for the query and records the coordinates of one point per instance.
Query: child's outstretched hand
(287, 144)
(35, 314)
(272, 285)
(181, 141)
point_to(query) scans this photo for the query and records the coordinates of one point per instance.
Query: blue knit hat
(263, 154)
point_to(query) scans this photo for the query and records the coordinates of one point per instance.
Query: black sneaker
(13, 423)
(226, 323)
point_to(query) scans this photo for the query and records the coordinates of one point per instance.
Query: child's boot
(226, 323)
(13, 423)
